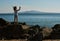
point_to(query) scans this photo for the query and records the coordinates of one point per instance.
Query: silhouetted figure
(16, 14)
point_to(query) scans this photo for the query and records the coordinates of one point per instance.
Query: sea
(43, 20)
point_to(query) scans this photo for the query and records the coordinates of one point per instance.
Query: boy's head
(14, 8)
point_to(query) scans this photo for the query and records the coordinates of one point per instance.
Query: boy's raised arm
(19, 8)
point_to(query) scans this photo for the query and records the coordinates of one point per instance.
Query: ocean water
(48, 20)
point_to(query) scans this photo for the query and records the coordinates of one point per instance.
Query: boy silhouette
(16, 14)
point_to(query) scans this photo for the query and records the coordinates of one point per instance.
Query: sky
(6, 6)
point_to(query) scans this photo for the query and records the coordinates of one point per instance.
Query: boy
(16, 14)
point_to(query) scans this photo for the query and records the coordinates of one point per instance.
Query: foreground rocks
(8, 30)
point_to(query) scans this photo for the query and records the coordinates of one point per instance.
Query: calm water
(48, 20)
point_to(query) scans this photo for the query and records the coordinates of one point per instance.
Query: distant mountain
(31, 12)
(36, 12)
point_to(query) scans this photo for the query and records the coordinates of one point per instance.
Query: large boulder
(56, 27)
(13, 32)
(3, 22)
(46, 31)
(35, 33)
(55, 34)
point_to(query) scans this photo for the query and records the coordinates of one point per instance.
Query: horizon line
(32, 10)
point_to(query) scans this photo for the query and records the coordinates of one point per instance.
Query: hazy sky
(39, 5)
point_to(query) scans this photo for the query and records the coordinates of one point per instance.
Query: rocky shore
(8, 31)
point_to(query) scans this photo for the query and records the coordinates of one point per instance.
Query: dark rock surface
(33, 33)
(3, 22)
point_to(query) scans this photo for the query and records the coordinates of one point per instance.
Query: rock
(35, 27)
(55, 34)
(25, 26)
(56, 27)
(3, 22)
(24, 23)
(13, 32)
(46, 31)
(19, 23)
